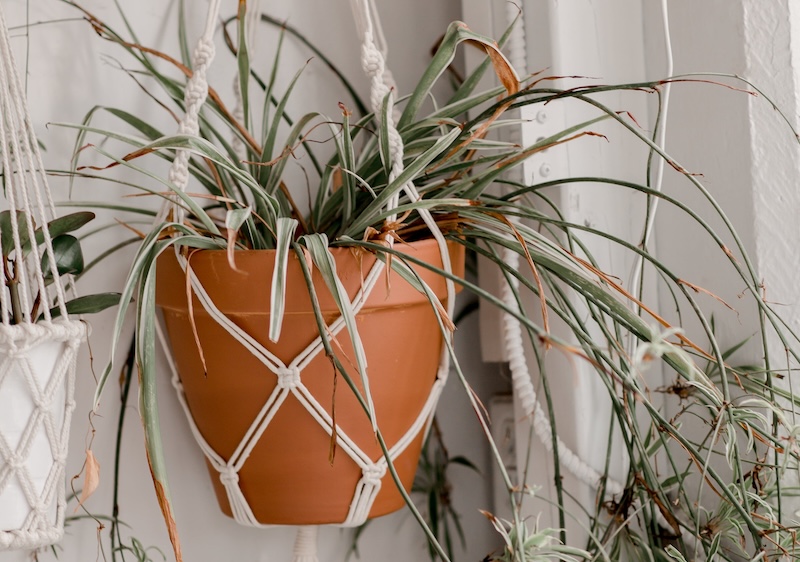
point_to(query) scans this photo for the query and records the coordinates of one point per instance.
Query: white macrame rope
(195, 96)
(18, 345)
(374, 65)
(32, 486)
(25, 148)
(26, 183)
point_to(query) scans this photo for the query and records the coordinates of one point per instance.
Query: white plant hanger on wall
(289, 374)
(37, 350)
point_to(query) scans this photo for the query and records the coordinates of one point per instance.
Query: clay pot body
(288, 478)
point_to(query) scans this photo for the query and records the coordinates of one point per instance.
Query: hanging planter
(299, 469)
(286, 323)
(39, 341)
(37, 382)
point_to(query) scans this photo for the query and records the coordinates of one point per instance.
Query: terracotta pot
(288, 478)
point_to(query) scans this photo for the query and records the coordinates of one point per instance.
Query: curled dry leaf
(91, 478)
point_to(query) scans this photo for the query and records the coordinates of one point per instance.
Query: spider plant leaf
(190, 204)
(269, 92)
(234, 219)
(292, 139)
(150, 132)
(675, 554)
(317, 245)
(472, 81)
(456, 34)
(367, 216)
(383, 136)
(348, 165)
(183, 38)
(107, 206)
(243, 62)
(266, 177)
(148, 395)
(143, 259)
(284, 236)
(321, 55)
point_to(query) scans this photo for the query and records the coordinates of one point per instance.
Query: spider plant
(247, 201)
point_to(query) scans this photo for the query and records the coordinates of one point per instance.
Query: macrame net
(289, 375)
(37, 351)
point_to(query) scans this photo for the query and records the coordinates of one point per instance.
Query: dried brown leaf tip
(91, 478)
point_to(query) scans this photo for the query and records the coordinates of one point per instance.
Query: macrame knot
(374, 474)
(372, 60)
(196, 91)
(204, 53)
(14, 352)
(288, 377)
(179, 173)
(228, 476)
(60, 458)
(41, 509)
(14, 461)
(44, 403)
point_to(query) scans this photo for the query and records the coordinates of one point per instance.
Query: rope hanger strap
(37, 357)
(30, 201)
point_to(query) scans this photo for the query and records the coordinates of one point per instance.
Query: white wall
(70, 70)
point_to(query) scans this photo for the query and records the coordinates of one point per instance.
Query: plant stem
(127, 376)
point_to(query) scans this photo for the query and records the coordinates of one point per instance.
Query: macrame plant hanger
(289, 376)
(38, 349)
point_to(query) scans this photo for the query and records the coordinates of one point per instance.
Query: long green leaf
(243, 62)
(317, 245)
(284, 237)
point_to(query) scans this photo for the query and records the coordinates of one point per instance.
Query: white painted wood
(602, 40)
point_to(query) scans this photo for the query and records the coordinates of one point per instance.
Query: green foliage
(68, 260)
(433, 483)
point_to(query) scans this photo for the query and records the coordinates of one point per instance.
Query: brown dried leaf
(166, 511)
(190, 303)
(91, 478)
